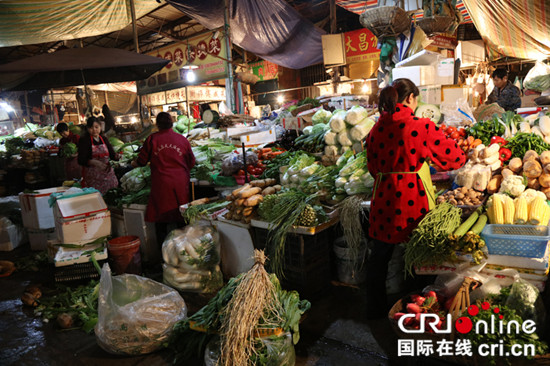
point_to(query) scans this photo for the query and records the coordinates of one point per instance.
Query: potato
(544, 180)
(249, 192)
(494, 184)
(515, 165)
(545, 158)
(239, 202)
(258, 183)
(532, 169)
(459, 196)
(506, 172)
(546, 169)
(254, 200)
(533, 183)
(248, 211)
(530, 155)
(270, 181)
(546, 191)
(268, 191)
(236, 192)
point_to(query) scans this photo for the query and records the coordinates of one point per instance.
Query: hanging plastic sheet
(513, 28)
(271, 29)
(39, 21)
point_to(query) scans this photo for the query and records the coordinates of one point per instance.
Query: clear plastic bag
(135, 314)
(280, 351)
(524, 298)
(234, 162)
(538, 78)
(458, 114)
(192, 258)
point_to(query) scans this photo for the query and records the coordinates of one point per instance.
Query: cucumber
(466, 225)
(480, 224)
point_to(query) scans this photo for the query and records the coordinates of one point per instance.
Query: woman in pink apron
(94, 152)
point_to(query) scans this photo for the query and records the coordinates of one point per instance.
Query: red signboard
(444, 41)
(361, 46)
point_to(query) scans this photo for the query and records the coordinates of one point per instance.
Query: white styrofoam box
(11, 236)
(258, 138)
(430, 94)
(237, 248)
(419, 75)
(422, 58)
(451, 93)
(82, 219)
(39, 238)
(35, 209)
(445, 71)
(232, 131)
(68, 256)
(135, 224)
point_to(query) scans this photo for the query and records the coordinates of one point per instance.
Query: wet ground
(334, 332)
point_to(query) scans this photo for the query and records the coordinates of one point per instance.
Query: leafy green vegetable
(68, 150)
(521, 142)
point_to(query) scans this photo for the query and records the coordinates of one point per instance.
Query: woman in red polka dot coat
(397, 145)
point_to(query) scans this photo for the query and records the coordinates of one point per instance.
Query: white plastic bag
(538, 78)
(458, 114)
(135, 314)
(192, 258)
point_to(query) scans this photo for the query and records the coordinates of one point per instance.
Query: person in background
(506, 94)
(171, 160)
(398, 148)
(72, 169)
(109, 119)
(94, 153)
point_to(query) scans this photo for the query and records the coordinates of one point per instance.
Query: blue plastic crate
(517, 240)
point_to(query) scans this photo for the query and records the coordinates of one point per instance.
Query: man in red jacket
(171, 160)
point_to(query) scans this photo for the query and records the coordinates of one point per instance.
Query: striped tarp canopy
(359, 6)
(516, 28)
(38, 21)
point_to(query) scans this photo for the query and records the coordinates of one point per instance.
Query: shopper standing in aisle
(398, 149)
(72, 169)
(171, 161)
(94, 152)
(506, 94)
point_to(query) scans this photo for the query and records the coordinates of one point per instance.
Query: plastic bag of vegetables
(192, 258)
(136, 179)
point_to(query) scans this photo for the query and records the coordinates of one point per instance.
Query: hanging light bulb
(365, 89)
(280, 99)
(190, 76)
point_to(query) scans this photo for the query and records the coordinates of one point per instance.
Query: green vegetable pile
(193, 213)
(484, 130)
(522, 142)
(429, 243)
(285, 159)
(69, 150)
(188, 343)
(14, 146)
(80, 302)
(313, 142)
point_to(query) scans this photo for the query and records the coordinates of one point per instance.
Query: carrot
(460, 142)
(275, 153)
(470, 140)
(476, 142)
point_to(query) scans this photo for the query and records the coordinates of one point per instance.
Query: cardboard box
(445, 71)
(258, 138)
(451, 93)
(430, 94)
(82, 219)
(39, 238)
(419, 75)
(35, 209)
(293, 123)
(11, 236)
(68, 256)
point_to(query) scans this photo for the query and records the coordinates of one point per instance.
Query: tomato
(462, 132)
(241, 172)
(450, 130)
(258, 171)
(455, 135)
(250, 169)
(443, 127)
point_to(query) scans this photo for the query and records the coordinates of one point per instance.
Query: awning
(272, 29)
(38, 21)
(359, 6)
(513, 28)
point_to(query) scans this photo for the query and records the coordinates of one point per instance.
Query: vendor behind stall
(94, 152)
(72, 169)
(171, 160)
(506, 94)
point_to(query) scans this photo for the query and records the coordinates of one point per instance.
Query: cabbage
(294, 178)
(339, 182)
(344, 149)
(355, 115)
(319, 128)
(309, 170)
(136, 179)
(352, 165)
(307, 130)
(368, 180)
(331, 138)
(337, 122)
(342, 160)
(331, 150)
(321, 116)
(344, 138)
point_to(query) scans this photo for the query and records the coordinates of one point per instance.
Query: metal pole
(187, 104)
(53, 106)
(27, 107)
(136, 48)
(229, 91)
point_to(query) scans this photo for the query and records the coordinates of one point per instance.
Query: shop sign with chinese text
(195, 93)
(206, 52)
(444, 41)
(265, 70)
(361, 46)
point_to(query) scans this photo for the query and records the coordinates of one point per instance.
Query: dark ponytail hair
(395, 93)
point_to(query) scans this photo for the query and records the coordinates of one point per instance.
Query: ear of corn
(498, 209)
(537, 210)
(521, 214)
(545, 216)
(491, 213)
(508, 209)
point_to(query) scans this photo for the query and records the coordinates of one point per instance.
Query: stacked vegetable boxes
(82, 225)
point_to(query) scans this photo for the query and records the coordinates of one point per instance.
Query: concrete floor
(334, 332)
